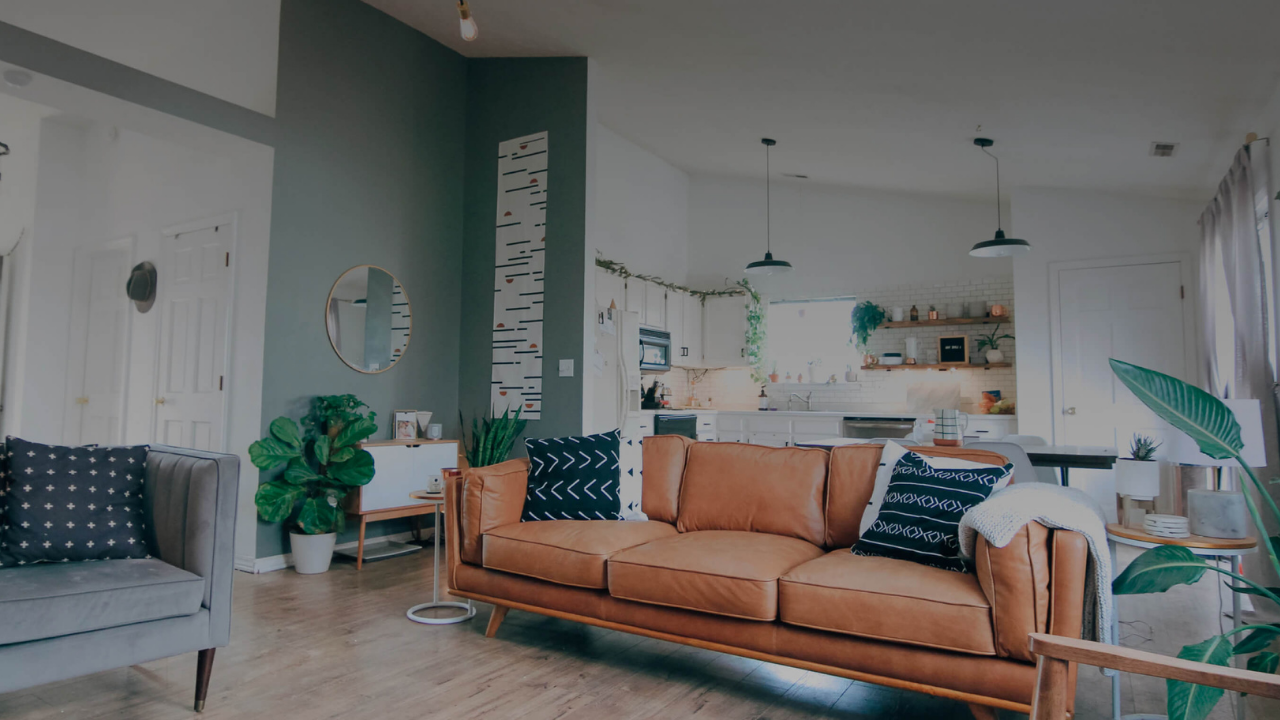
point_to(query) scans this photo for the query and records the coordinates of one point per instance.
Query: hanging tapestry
(518, 279)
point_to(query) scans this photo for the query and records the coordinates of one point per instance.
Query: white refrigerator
(615, 367)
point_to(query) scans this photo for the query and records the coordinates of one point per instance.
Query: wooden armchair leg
(1050, 701)
(495, 620)
(983, 712)
(204, 668)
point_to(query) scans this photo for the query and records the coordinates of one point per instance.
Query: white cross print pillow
(74, 503)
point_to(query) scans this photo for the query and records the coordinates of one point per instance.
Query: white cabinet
(692, 335)
(675, 325)
(655, 306)
(990, 427)
(635, 297)
(609, 289)
(724, 332)
(770, 439)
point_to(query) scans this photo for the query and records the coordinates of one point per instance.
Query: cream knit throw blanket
(1000, 517)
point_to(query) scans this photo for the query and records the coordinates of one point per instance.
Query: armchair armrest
(490, 497)
(190, 501)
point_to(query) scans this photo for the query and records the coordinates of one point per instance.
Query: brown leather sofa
(746, 551)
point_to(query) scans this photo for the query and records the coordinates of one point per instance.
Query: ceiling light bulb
(470, 31)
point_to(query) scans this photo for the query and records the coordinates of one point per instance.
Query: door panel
(194, 304)
(1132, 313)
(98, 347)
(655, 306)
(693, 330)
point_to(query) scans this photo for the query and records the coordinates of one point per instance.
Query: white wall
(98, 183)
(641, 208)
(224, 48)
(838, 239)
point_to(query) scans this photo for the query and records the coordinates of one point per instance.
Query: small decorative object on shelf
(424, 423)
(953, 350)
(991, 342)
(933, 313)
(999, 311)
(1166, 526)
(898, 313)
(404, 424)
(915, 313)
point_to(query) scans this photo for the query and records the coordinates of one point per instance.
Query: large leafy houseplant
(322, 464)
(863, 321)
(491, 437)
(756, 332)
(1209, 422)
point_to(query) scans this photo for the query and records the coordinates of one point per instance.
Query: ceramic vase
(1139, 479)
(312, 553)
(995, 356)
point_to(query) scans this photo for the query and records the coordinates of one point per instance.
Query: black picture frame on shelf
(953, 349)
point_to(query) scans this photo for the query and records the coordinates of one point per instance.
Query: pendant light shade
(999, 246)
(767, 266)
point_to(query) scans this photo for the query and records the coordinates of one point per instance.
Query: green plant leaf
(275, 500)
(342, 455)
(1267, 662)
(1203, 417)
(321, 449)
(299, 472)
(1195, 702)
(1159, 569)
(269, 453)
(1248, 590)
(286, 431)
(355, 431)
(1257, 640)
(354, 472)
(320, 515)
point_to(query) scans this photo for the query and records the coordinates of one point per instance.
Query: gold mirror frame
(329, 301)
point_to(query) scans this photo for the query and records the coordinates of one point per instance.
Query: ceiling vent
(1163, 149)
(797, 176)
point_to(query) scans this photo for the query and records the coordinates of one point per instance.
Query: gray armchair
(59, 621)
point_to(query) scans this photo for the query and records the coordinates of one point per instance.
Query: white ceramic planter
(312, 553)
(1139, 479)
(995, 356)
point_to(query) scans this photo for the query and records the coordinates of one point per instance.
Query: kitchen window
(810, 338)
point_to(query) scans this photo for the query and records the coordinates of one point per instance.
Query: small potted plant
(321, 465)
(933, 313)
(1138, 476)
(773, 375)
(991, 341)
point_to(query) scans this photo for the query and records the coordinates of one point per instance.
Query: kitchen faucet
(808, 404)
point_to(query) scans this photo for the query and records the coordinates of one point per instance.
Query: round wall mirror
(368, 319)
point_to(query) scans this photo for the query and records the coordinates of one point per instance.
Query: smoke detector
(1163, 149)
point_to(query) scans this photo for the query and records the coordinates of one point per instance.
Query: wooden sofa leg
(495, 620)
(983, 712)
(204, 668)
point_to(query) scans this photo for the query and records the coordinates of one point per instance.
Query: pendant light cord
(993, 157)
(768, 206)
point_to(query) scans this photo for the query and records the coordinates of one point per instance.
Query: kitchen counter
(848, 413)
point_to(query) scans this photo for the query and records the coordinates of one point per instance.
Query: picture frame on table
(404, 424)
(953, 350)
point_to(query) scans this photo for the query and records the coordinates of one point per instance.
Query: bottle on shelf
(915, 314)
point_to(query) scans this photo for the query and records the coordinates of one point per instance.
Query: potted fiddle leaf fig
(1208, 421)
(321, 465)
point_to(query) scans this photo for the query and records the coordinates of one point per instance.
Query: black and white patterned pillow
(920, 515)
(74, 503)
(6, 559)
(573, 478)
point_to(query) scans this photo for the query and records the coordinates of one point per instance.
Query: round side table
(1215, 549)
(437, 501)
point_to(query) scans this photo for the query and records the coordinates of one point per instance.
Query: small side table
(437, 503)
(1215, 549)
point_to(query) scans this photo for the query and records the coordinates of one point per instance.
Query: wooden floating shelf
(947, 366)
(951, 321)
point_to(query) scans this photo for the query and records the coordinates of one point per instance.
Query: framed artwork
(953, 349)
(405, 424)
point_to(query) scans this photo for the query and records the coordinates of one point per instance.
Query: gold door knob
(1069, 411)
(159, 401)
(82, 401)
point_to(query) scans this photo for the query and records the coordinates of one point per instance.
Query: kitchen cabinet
(770, 439)
(724, 331)
(990, 427)
(692, 332)
(610, 289)
(655, 306)
(635, 292)
(675, 325)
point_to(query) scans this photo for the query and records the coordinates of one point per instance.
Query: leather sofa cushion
(725, 572)
(569, 552)
(887, 599)
(492, 496)
(664, 458)
(731, 486)
(46, 601)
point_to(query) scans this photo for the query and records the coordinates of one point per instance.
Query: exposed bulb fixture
(999, 246)
(767, 266)
(470, 31)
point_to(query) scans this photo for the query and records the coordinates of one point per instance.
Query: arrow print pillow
(573, 478)
(74, 503)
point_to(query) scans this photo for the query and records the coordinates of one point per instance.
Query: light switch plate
(566, 368)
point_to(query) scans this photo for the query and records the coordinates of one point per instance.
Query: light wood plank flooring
(338, 646)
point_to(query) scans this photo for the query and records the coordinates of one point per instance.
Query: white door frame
(1190, 326)
(231, 220)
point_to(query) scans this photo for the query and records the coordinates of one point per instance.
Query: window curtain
(1232, 268)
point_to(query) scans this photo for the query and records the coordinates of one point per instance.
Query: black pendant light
(999, 246)
(767, 266)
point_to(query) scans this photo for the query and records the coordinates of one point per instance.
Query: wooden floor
(338, 646)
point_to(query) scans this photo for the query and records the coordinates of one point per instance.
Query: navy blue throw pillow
(573, 478)
(920, 515)
(74, 503)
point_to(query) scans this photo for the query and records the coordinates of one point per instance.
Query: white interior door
(1131, 312)
(194, 301)
(97, 352)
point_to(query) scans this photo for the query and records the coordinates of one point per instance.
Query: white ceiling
(889, 94)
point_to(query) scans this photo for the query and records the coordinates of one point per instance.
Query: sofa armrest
(190, 501)
(1035, 584)
(491, 497)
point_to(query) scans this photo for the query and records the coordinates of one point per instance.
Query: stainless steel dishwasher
(862, 427)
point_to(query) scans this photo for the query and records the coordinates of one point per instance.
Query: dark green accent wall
(368, 169)
(506, 99)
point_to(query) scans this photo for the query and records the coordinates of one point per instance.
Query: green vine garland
(617, 268)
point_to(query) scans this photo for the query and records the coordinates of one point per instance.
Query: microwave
(655, 351)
